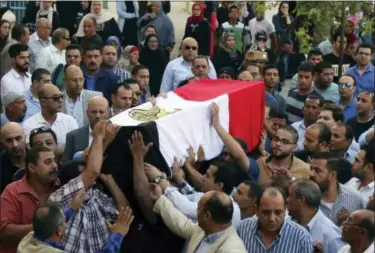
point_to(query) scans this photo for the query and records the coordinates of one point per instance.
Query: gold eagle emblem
(147, 115)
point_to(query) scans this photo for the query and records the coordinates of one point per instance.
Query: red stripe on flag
(246, 104)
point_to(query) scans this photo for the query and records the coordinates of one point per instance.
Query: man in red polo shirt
(21, 198)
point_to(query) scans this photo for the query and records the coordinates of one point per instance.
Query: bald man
(179, 69)
(50, 115)
(75, 97)
(81, 138)
(13, 159)
(347, 101)
(39, 40)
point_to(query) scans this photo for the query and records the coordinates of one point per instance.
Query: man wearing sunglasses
(53, 55)
(347, 102)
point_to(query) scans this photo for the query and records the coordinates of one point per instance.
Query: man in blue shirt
(364, 71)
(347, 101)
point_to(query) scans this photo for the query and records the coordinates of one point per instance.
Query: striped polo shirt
(292, 238)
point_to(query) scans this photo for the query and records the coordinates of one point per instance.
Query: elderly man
(39, 40)
(14, 104)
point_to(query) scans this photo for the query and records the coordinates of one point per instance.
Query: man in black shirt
(334, 57)
(13, 158)
(365, 114)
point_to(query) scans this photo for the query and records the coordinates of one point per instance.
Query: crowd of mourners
(67, 67)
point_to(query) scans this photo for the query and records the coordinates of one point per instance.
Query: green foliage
(305, 40)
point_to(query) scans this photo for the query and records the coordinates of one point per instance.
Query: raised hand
(111, 131)
(78, 200)
(99, 129)
(151, 171)
(215, 119)
(123, 222)
(177, 172)
(191, 156)
(137, 146)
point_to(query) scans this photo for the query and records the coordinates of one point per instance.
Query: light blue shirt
(324, 231)
(331, 93)
(32, 103)
(301, 129)
(362, 139)
(349, 110)
(3, 120)
(35, 47)
(179, 70)
(364, 81)
(350, 154)
(206, 241)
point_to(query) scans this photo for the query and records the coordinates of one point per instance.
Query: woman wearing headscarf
(127, 21)
(163, 25)
(154, 58)
(114, 41)
(106, 24)
(227, 55)
(46, 11)
(198, 28)
(129, 58)
(4, 33)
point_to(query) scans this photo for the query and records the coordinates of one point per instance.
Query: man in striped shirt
(270, 232)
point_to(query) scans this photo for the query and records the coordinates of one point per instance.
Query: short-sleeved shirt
(265, 25)
(359, 127)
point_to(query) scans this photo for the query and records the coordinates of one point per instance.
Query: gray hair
(58, 35)
(308, 190)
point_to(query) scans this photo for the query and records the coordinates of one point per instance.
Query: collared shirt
(207, 240)
(347, 198)
(49, 58)
(331, 93)
(349, 110)
(347, 249)
(324, 231)
(35, 47)
(364, 81)
(32, 103)
(301, 129)
(365, 191)
(350, 154)
(75, 109)
(63, 124)
(121, 74)
(12, 81)
(177, 71)
(292, 238)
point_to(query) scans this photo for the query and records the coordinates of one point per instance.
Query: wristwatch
(158, 179)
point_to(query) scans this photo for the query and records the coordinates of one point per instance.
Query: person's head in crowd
(315, 56)
(253, 68)
(351, 48)
(19, 55)
(364, 54)
(365, 104)
(73, 55)
(284, 7)
(270, 77)
(49, 222)
(50, 99)
(347, 86)
(219, 177)
(234, 13)
(4, 29)
(246, 195)
(114, 41)
(363, 166)
(122, 96)
(200, 66)
(345, 171)
(330, 114)
(261, 38)
(279, 181)
(43, 137)
(336, 41)
(303, 200)
(152, 42)
(277, 119)
(109, 55)
(41, 167)
(97, 7)
(323, 75)
(189, 49)
(43, 28)
(342, 137)
(131, 54)
(317, 138)
(245, 76)
(61, 38)
(226, 73)
(15, 107)
(155, 7)
(73, 80)
(39, 78)
(14, 140)
(197, 12)
(92, 58)
(226, 156)
(21, 34)
(271, 208)
(150, 30)
(371, 203)
(325, 167)
(215, 211)
(306, 76)
(46, 5)
(311, 109)
(136, 90)
(141, 74)
(97, 110)
(359, 230)
(284, 142)
(89, 26)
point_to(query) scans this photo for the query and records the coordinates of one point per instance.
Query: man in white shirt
(39, 40)
(180, 68)
(363, 172)
(17, 79)
(54, 54)
(51, 101)
(75, 97)
(260, 23)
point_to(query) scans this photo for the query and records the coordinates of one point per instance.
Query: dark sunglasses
(39, 130)
(56, 98)
(192, 48)
(262, 39)
(346, 85)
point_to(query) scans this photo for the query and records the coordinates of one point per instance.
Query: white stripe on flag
(189, 126)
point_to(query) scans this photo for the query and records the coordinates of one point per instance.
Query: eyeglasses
(194, 48)
(40, 130)
(55, 98)
(346, 85)
(282, 141)
(262, 39)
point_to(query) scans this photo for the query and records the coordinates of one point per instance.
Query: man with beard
(17, 79)
(347, 100)
(311, 110)
(324, 81)
(110, 60)
(337, 200)
(13, 158)
(15, 108)
(122, 98)
(303, 205)
(282, 160)
(51, 101)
